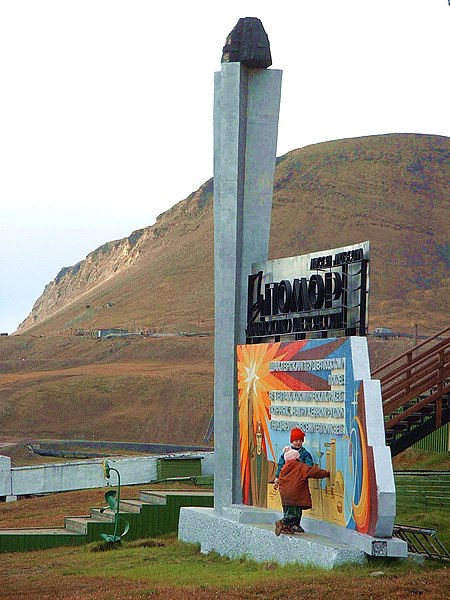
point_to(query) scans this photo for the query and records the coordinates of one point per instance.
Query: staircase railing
(421, 374)
(422, 541)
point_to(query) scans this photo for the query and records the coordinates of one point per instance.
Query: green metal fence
(424, 488)
(438, 441)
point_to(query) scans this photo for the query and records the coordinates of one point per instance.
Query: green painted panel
(424, 490)
(38, 541)
(133, 519)
(11, 543)
(165, 521)
(161, 524)
(94, 529)
(178, 467)
(438, 441)
(136, 526)
(204, 480)
(153, 521)
(174, 503)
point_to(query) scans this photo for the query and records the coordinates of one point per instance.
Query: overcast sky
(106, 108)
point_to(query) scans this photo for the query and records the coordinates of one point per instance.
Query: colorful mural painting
(308, 384)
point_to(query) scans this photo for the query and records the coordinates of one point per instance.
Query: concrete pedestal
(256, 540)
(241, 530)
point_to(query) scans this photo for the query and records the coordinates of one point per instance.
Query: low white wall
(5, 476)
(207, 462)
(76, 475)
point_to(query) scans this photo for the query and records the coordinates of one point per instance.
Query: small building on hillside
(115, 331)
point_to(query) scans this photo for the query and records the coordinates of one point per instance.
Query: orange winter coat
(293, 483)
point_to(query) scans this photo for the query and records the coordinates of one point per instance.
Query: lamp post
(114, 505)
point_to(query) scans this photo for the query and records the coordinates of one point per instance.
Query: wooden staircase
(415, 388)
(153, 514)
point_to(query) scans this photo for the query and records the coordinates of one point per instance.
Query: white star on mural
(252, 377)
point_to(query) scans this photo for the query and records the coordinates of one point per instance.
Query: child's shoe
(297, 529)
(278, 527)
(286, 529)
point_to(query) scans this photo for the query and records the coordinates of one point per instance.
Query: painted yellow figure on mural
(262, 469)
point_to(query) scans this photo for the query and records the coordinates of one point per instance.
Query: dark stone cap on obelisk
(248, 43)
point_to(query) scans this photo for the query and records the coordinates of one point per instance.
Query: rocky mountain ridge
(77, 281)
(391, 189)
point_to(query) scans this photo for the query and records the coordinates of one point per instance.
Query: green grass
(414, 459)
(412, 510)
(415, 504)
(184, 565)
(167, 568)
(178, 570)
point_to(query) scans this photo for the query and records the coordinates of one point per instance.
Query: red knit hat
(297, 434)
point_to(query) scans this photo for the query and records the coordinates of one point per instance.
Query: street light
(114, 505)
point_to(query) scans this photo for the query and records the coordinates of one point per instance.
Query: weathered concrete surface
(77, 475)
(246, 108)
(372, 546)
(258, 541)
(5, 476)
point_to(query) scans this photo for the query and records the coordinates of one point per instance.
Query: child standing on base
(297, 437)
(294, 490)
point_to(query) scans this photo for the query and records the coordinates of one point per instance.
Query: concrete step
(106, 515)
(126, 506)
(37, 531)
(79, 524)
(159, 497)
(76, 528)
(153, 497)
(132, 506)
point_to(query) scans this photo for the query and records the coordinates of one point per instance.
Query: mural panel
(308, 384)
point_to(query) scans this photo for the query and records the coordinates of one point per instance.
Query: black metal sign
(316, 295)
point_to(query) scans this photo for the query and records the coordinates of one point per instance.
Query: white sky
(106, 107)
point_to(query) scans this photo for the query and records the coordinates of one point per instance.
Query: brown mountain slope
(141, 389)
(390, 189)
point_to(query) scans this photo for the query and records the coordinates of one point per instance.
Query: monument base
(372, 546)
(239, 530)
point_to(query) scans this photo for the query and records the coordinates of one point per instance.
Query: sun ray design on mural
(254, 384)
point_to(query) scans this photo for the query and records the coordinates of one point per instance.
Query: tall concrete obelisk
(246, 108)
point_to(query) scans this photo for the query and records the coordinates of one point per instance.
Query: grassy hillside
(390, 189)
(141, 389)
(164, 569)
